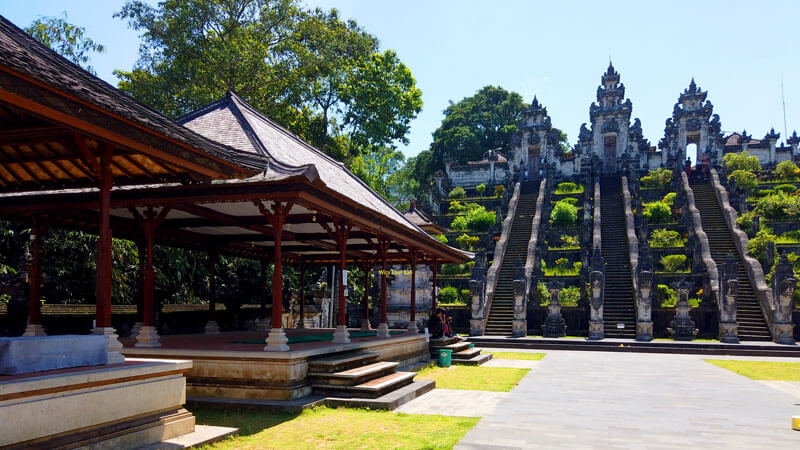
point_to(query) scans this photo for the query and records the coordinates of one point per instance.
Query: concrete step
(370, 389)
(388, 401)
(341, 361)
(352, 377)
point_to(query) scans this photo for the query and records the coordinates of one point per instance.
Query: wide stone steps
(462, 353)
(348, 377)
(618, 306)
(749, 316)
(501, 311)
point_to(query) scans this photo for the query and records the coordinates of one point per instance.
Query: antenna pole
(783, 101)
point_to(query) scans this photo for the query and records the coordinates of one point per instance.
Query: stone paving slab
(577, 399)
(788, 387)
(513, 363)
(454, 402)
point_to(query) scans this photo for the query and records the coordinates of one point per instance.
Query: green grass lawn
(761, 370)
(341, 428)
(518, 355)
(499, 379)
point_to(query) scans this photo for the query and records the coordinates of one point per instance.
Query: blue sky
(557, 50)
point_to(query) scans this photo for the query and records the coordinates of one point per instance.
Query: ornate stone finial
(772, 135)
(692, 86)
(535, 102)
(745, 138)
(794, 139)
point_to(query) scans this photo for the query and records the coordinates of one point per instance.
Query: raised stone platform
(126, 405)
(227, 370)
(27, 354)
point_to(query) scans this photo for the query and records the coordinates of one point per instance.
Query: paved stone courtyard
(625, 400)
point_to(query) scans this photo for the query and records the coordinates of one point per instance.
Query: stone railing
(499, 252)
(754, 270)
(530, 259)
(705, 248)
(630, 231)
(597, 231)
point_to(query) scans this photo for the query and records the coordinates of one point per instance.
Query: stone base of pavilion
(233, 367)
(125, 405)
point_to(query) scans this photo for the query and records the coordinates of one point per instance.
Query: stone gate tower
(692, 122)
(611, 134)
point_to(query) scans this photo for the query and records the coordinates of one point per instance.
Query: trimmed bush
(568, 187)
(668, 297)
(448, 294)
(661, 237)
(564, 214)
(464, 297)
(480, 220)
(657, 179)
(669, 198)
(467, 242)
(741, 161)
(657, 212)
(786, 170)
(441, 238)
(758, 244)
(673, 263)
(499, 190)
(786, 188)
(569, 296)
(458, 192)
(459, 224)
(745, 180)
(456, 207)
(480, 189)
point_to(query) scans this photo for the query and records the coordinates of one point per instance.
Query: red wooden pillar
(277, 278)
(34, 327)
(301, 322)
(383, 327)
(342, 314)
(141, 247)
(412, 321)
(263, 308)
(103, 279)
(433, 290)
(212, 327)
(365, 320)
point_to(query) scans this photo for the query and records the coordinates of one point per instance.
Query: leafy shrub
(673, 263)
(542, 294)
(564, 214)
(458, 192)
(765, 192)
(789, 237)
(668, 297)
(741, 161)
(661, 237)
(448, 295)
(499, 190)
(657, 179)
(464, 296)
(459, 224)
(467, 242)
(480, 189)
(568, 242)
(570, 200)
(456, 207)
(569, 296)
(786, 188)
(441, 238)
(779, 206)
(568, 187)
(479, 220)
(786, 170)
(562, 268)
(745, 221)
(669, 198)
(657, 212)
(758, 244)
(745, 180)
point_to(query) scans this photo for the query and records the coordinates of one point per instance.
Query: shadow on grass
(249, 420)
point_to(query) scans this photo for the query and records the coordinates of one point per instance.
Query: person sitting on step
(436, 324)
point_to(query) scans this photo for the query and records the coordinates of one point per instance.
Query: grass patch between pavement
(499, 379)
(761, 370)
(518, 355)
(340, 428)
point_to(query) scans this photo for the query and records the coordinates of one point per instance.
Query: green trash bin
(471, 345)
(445, 356)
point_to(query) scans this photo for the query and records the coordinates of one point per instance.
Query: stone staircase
(356, 378)
(752, 324)
(462, 354)
(618, 303)
(501, 312)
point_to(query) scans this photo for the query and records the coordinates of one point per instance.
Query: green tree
(476, 124)
(321, 77)
(66, 39)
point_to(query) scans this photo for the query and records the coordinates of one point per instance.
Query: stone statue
(784, 305)
(644, 306)
(597, 284)
(728, 328)
(682, 326)
(520, 322)
(554, 324)
(477, 287)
